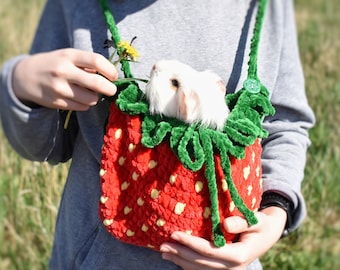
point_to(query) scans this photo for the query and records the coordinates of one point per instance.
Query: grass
(30, 192)
(316, 244)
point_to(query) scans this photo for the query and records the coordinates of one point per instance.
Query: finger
(83, 95)
(70, 97)
(89, 80)
(97, 62)
(199, 245)
(93, 81)
(234, 253)
(189, 259)
(69, 104)
(75, 93)
(235, 224)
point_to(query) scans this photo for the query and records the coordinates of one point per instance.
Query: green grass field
(30, 192)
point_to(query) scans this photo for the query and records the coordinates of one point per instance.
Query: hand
(192, 252)
(65, 79)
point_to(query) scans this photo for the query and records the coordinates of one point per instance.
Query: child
(62, 73)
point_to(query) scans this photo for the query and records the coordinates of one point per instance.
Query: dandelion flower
(128, 52)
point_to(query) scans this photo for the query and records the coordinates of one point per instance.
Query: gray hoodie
(212, 35)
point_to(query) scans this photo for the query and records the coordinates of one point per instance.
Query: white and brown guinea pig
(177, 90)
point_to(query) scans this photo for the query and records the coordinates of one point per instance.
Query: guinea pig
(177, 90)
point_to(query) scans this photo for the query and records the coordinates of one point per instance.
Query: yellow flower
(128, 52)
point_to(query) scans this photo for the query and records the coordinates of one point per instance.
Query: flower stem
(67, 119)
(131, 80)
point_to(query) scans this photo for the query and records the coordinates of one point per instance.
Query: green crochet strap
(255, 41)
(115, 35)
(194, 145)
(210, 174)
(252, 83)
(225, 164)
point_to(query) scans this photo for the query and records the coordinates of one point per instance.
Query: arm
(36, 90)
(31, 131)
(284, 151)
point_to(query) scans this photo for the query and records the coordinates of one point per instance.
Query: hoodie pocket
(92, 250)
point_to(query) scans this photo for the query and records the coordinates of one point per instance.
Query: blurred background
(30, 192)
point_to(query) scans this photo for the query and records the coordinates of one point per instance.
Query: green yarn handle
(115, 34)
(255, 41)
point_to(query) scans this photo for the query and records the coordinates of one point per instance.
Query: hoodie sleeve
(37, 133)
(284, 151)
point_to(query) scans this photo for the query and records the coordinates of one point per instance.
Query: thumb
(235, 224)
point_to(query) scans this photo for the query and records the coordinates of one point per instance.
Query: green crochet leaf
(131, 100)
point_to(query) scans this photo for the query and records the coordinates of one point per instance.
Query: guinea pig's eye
(174, 84)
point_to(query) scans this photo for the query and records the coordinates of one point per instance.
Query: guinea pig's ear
(188, 105)
(214, 78)
(222, 86)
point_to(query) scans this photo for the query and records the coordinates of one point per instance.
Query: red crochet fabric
(147, 193)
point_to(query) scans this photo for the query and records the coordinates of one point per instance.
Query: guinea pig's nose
(155, 69)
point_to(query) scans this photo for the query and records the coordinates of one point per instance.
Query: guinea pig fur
(177, 90)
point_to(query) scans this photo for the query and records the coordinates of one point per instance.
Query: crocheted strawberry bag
(159, 175)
